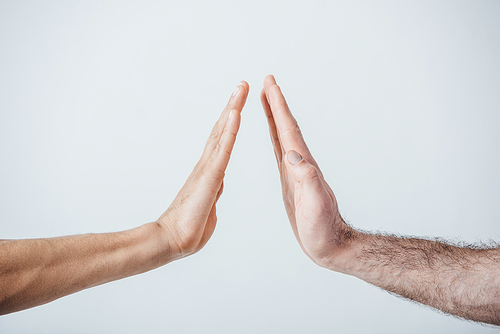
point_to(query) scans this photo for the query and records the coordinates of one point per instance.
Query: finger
(236, 102)
(287, 127)
(278, 151)
(219, 193)
(269, 81)
(303, 172)
(213, 172)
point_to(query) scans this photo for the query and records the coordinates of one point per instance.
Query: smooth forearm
(461, 281)
(37, 271)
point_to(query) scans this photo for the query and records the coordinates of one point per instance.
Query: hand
(190, 220)
(309, 201)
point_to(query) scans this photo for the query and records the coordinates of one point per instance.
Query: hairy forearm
(463, 281)
(37, 271)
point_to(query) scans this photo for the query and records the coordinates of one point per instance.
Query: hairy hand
(309, 201)
(190, 220)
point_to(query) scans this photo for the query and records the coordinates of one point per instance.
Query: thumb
(301, 169)
(308, 181)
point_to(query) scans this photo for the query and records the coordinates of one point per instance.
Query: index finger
(289, 133)
(278, 150)
(236, 102)
(215, 167)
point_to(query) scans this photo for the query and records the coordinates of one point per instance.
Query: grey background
(105, 108)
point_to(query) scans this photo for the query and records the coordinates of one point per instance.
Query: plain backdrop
(105, 108)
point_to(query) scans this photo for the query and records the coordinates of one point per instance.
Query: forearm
(461, 281)
(37, 271)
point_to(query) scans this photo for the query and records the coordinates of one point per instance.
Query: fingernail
(293, 157)
(236, 90)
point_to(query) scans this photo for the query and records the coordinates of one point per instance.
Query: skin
(37, 271)
(462, 281)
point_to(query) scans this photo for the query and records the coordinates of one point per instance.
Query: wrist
(345, 259)
(156, 244)
(166, 248)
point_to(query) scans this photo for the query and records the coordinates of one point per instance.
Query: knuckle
(199, 179)
(210, 175)
(226, 150)
(217, 148)
(210, 162)
(310, 172)
(217, 174)
(295, 129)
(215, 133)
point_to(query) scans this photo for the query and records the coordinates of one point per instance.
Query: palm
(190, 220)
(313, 215)
(309, 201)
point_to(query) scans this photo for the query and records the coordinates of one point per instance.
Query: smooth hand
(309, 201)
(190, 220)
